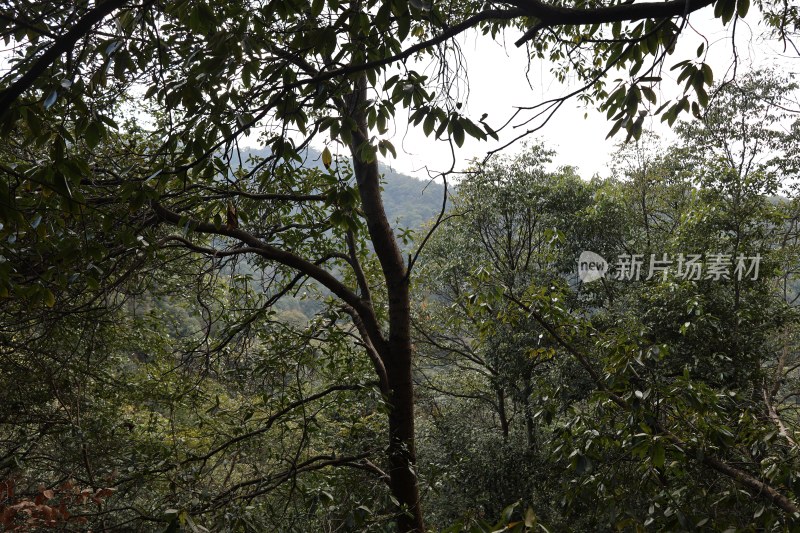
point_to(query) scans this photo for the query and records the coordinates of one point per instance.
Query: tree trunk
(395, 353)
(501, 410)
(402, 452)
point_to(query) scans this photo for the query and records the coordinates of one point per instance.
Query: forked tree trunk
(396, 350)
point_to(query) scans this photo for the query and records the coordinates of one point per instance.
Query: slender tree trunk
(501, 410)
(396, 352)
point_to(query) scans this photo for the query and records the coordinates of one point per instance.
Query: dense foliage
(599, 404)
(191, 401)
(155, 380)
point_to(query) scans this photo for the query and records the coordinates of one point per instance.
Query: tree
(674, 382)
(701, 198)
(485, 380)
(502, 231)
(198, 76)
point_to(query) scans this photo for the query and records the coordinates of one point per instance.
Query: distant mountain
(409, 202)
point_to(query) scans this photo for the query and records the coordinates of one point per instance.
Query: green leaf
(649, 94)
(94, 132)
(472, 129)
(430, 122)
(388, 146)
(403, 26)
(493, 134)
(727, 11)
(442, 127)
(49, 298)
(702, 97)
(742, 7)
(458, 133)
(368, 152)
(657, 454)
(382, 127)
(708, 74)
(505, 516)
(615, 128)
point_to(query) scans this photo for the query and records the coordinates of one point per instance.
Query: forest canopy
(199, 337)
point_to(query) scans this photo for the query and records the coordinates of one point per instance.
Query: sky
(497, 83)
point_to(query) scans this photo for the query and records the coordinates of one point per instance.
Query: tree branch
(61, 45)
(549, 15)
(373, 354)
(271, 420)
(285, 258)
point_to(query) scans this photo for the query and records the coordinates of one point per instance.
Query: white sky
(497, 83)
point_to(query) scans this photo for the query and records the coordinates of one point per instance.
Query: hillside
(409, 202)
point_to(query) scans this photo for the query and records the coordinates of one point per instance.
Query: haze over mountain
(409, 202)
